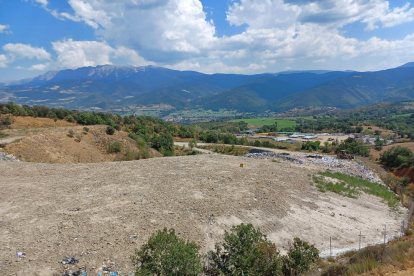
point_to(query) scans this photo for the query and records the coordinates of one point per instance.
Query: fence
(382, 235)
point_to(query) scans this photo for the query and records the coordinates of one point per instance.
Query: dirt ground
(28, 122)
(102, 212)
(53, 145)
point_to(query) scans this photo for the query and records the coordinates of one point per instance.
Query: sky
(209, 36)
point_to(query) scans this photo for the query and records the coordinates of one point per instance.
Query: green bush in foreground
(244, 251)
(167, 254)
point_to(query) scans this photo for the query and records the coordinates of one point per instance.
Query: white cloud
(177, 34)
(4, 29)
(19, 51)
(75, 54)
(40, 67)
(42, 2)
(3, 61)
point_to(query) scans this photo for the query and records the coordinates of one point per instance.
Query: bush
(110, 130)
(353, 146)
(86, 129)
(396, 156)
(371, 252)
(70, 119)
(192, 144)
(115, 147)
(334, 270)
(71, 133)
(165, 141)
(167, 254)
(7, 121)
(311, 146)
(245, 251)
(299, 258)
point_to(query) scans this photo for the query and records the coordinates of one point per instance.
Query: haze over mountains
(111, 87)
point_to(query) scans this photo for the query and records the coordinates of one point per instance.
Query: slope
(355, 90)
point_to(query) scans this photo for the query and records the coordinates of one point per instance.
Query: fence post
(385, 233)
(330, 246)
(360, 235)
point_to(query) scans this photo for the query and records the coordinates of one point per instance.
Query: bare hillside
(100, 212)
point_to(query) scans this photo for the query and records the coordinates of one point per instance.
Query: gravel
(8, 158)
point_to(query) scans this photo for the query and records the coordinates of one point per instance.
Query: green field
(258, 122)
(402, 115)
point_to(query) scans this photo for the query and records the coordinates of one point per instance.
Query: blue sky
(211, 36)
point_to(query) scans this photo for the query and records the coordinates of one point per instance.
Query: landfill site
(61, 218)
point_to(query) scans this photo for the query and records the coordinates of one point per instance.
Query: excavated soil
(54, 145)
(102, 212)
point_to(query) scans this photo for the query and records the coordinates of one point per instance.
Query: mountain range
(111, 87)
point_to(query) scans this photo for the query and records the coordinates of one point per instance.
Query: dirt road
(102, 212)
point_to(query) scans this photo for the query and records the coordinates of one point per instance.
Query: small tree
(192, 144)
(397, 156)
(245, 251)
(167, 254)
(299, 258)
(110, 130)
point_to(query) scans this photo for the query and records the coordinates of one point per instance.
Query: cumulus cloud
(74, 54)
(40, 67)
(3, 61)
(4, 29)
(19, 51)
(177, 34)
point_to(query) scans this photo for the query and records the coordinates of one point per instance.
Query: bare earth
(45, 211)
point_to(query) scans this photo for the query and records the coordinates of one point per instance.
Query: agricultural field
(259, 122)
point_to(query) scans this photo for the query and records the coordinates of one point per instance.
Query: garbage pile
(330, 163)
(7, 157)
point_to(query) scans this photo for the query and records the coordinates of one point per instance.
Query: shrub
(334, 270)
(167, 254)
(71, 133)
(165, 141)
(299, 258)
(86, 129)
(115, 147)
(353, 146)
(70, 119)
(244, 251)
(371, 252)
(396, 156)
(7, 121)
(192, 144)
(311, 146)
(78, 138)
(110, 130)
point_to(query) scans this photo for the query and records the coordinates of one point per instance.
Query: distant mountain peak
(409, 64)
